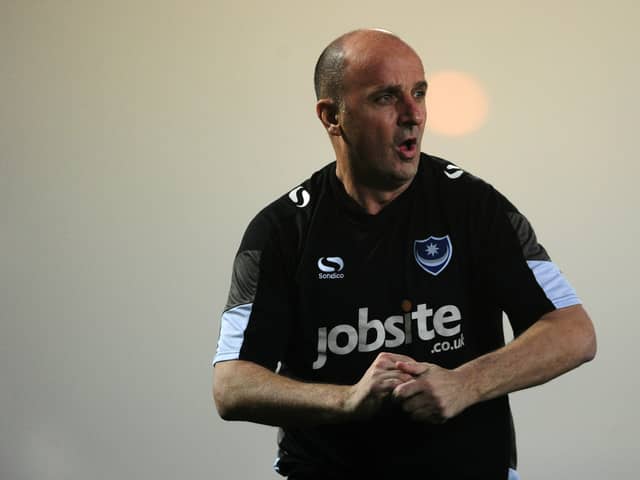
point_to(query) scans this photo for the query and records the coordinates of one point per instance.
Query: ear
(329, 114)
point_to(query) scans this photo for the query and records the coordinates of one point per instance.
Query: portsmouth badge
(433, 253)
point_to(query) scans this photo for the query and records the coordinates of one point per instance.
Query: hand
(434, 394)
(365, 397)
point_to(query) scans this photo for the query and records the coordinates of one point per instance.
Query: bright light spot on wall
(456, 103)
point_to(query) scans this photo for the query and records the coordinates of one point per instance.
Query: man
(376, 289)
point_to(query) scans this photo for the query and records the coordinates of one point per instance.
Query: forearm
(558, 342)
(246, 391)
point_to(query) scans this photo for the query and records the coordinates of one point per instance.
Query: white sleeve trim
(555, 286)
(232, 326)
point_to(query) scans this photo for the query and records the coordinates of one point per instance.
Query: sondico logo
(453, 171)
(393, 332)
(331, 268)
(300, 197)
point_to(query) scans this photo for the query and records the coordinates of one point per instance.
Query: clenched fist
(433, 394)
(378, 382)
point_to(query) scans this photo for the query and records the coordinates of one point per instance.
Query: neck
(371, 199)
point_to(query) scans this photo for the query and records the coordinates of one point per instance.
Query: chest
(404, 285)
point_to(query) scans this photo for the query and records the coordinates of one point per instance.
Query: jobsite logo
(437, 326)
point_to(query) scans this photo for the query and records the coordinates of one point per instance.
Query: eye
(421, 93)
(385, 99)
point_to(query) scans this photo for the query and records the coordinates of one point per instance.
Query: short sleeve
(256, 320)
(518, 271)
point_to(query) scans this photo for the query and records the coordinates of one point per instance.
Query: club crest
(433, 253)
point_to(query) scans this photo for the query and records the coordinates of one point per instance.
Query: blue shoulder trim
(555, 286)
(232, 326)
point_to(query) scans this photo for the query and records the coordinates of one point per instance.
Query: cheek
(382, 126)
(370, 131)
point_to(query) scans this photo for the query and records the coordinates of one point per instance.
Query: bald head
(371, 92)
(350, 48)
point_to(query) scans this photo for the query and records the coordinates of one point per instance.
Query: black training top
(320, 287)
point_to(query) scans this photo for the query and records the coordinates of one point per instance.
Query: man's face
(383, 114)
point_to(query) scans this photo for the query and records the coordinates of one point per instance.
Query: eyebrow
(397, 88)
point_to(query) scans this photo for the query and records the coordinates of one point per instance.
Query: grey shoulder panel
(531, 249)
(244, 280)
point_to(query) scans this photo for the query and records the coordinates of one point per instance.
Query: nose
(412, 111)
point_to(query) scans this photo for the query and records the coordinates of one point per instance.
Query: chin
(401, 175)
(407, 169)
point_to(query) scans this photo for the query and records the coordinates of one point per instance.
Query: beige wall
(138, 138)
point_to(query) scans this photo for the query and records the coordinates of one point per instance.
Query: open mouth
(408, 147)
(409, 144)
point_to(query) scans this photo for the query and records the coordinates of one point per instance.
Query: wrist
(342, 404)
(350, 403)
(469, 378)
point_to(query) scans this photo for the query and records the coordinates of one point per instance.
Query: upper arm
(521, 276)
(256, 321)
